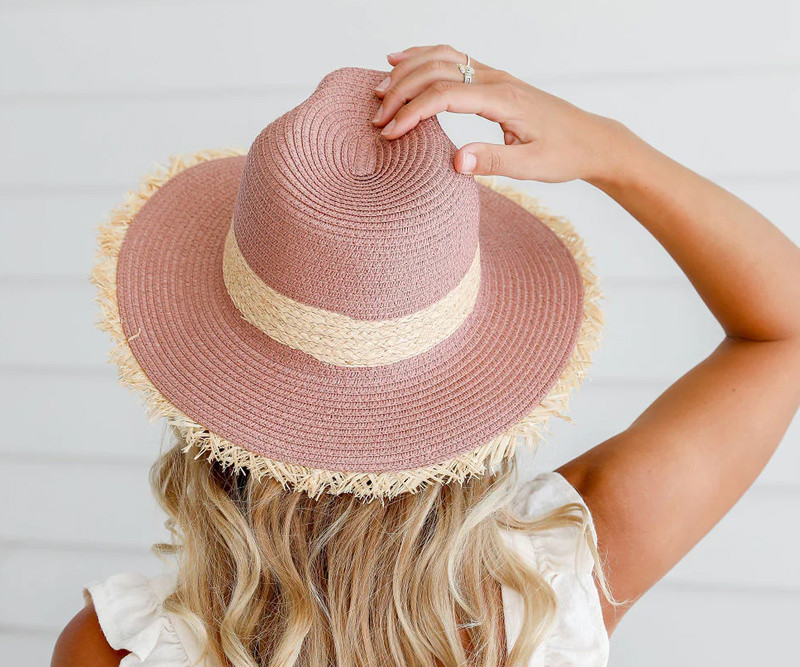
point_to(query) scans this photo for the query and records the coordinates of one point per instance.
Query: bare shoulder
(82, 642)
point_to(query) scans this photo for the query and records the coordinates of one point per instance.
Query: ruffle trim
(578, 636)
(133, 619)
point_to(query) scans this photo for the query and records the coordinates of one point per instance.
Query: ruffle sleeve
(131, 614)
(578, 637)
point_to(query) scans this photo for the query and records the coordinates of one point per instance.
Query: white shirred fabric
(131, 613)
(132, 617)
(578, 637)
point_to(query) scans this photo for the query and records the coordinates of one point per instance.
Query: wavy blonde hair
(270, 577)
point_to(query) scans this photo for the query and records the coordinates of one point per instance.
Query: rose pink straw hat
(344, 313)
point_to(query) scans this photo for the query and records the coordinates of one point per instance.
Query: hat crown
(331, 214)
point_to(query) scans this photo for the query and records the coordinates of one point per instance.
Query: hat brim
(247, 401)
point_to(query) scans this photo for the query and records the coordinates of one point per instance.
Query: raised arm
(659, 486)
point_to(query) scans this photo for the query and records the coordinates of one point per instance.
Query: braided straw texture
(315, 481)
(335, 338)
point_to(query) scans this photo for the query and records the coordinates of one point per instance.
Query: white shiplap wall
(91, 93)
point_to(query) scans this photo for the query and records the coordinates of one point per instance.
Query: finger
(416, 57)
(398, 56)
(419, 79)
(412, 57)
(492, 159)
(413, 84)
(486, 100)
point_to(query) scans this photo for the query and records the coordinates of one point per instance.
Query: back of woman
(350, 336)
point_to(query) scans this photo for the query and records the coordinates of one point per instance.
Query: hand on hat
(546, 138)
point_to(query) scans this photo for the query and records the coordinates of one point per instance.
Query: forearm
(744, 268)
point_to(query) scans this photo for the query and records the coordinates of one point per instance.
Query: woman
(453, 573)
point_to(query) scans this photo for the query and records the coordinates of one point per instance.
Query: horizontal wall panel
(700, 121)
(667, 627)
(52, 234)
(113, 141)
(620, 245)
(88, 415)
(27, 649)
(601, 409)
(116, 142)
(102, 507)
(707, 627)
(119, 46)
(654, 329)
(53, 325)
(30, 575)
(754, 532)
(91, 418)
(728, 558)
(76, 502)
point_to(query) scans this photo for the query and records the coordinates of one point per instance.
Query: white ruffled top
(132, 617)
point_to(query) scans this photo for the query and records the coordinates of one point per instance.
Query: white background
(92, 93)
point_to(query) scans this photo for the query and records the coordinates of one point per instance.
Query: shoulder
(560, 546)
(125, 621)
(82, 642)
(551, 491)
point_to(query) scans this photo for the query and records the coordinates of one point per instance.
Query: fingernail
(395, 55)
(387, 130)
(468, 162)
(378, 114)
(383, 85)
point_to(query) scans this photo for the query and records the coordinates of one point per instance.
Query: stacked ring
(467, 70)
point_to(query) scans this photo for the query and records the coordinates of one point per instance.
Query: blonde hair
(270, 577)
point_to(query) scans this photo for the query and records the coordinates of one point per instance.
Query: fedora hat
(345, 313)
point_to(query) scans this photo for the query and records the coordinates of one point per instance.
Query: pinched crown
(333, 215)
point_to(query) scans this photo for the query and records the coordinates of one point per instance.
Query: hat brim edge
(530, 431)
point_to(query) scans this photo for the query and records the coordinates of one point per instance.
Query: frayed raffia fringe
(384, 485)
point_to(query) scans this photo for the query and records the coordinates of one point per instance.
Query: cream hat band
(336, 338)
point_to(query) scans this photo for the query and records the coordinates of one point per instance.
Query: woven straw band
(338, 339)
